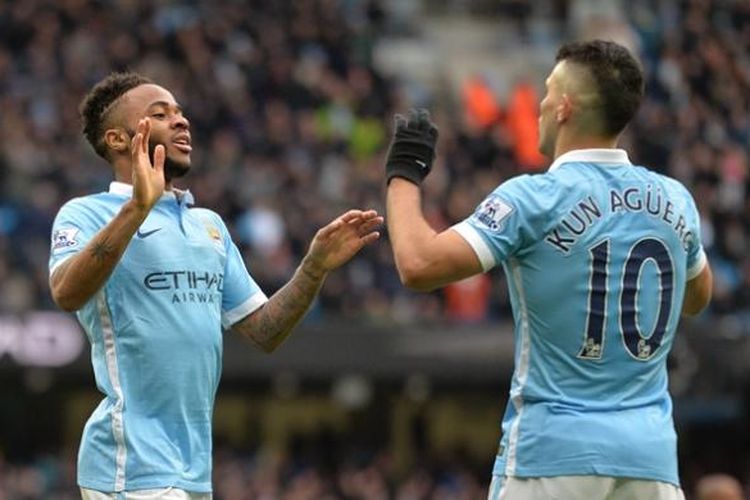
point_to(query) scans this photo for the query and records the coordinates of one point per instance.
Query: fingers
(350, 215)
(326, 231)
(160, 154)
(354, 218)
(144, 127)
(135, 145)
(139, 144)
(354, 214)
(370, 238)
(369, 226)
(423, 118)
(417, 119)
(400, 122)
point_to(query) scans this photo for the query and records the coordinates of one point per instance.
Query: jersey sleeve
(73, 228)
(241, 295)
(507, 220)
(696, 255)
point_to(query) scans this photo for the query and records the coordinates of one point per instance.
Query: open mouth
(183, 144)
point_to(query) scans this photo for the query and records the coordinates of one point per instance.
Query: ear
(564, 109)
(117, 139)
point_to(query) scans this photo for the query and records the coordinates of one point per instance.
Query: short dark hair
(617, 75)
(95, 106)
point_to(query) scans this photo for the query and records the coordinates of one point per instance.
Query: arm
(332, 246)
(272, 323)
(424, 258)
(698, 292)
(76, 280)
(82, 275)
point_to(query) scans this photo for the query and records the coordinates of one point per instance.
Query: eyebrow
(166, 104)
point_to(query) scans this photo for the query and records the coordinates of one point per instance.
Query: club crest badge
(214, 234)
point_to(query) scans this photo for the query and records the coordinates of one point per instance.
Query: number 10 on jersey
(641, 347)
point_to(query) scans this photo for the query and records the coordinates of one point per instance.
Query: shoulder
(209, 218)
(529, 185)
(534, 193)
(89, 204)
(675, 189)
(206, 214)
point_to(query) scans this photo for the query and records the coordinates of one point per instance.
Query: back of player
(597, 253)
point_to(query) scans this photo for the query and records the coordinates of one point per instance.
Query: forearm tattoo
(102, 250)
(276, 319)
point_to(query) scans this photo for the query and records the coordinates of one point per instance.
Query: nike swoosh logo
(146, 234)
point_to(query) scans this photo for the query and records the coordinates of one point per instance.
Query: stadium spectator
(718, 487)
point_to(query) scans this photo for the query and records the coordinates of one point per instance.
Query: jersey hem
(151, 483)
(620, 472)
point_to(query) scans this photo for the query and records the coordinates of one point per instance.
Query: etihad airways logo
(187, 286)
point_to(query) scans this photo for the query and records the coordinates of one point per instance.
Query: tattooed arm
(77, 279)
(335, 244)
(271, 324)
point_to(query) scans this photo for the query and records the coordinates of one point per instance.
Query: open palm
(148, 179)
(340, 240)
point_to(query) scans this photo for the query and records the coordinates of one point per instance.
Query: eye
(159, 116)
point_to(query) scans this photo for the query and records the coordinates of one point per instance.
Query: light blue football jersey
(156, 340)
(597, 252)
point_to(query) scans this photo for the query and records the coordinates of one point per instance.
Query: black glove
(412, 148)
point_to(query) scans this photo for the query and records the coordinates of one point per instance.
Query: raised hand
(412, 149)
(336, 243)
(148, 180)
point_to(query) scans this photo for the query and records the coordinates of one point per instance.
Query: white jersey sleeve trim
(229, 318)
(697, 268)
(59, 262)
(475, 241)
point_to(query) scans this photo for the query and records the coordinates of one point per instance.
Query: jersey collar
(121, 188)
(611, 156)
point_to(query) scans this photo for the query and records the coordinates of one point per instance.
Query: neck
(565, 144)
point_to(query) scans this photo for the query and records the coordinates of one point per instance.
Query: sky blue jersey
(156, 339)
(597, 252)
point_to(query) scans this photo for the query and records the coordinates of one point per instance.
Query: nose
(180, 121)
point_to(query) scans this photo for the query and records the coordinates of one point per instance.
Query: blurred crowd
(291, 120)
(317, 474)
(363, 474)
(695, 124)
(289, 116)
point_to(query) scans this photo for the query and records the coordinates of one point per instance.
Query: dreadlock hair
(97, 104)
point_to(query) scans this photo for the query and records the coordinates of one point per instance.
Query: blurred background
(381, 393)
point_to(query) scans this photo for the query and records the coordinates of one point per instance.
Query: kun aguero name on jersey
(629, 200)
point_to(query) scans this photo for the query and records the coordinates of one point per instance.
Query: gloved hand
(412, 149)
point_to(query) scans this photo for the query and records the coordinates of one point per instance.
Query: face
(548, 111)
(169, 126)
